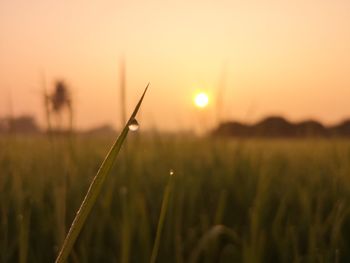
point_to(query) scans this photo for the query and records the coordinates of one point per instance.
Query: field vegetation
(232, 201)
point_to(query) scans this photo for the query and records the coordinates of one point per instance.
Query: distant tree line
(271, 127)
(27, 124)
(21, 124)
(276, 126)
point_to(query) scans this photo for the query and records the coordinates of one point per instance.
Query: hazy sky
(280, 57)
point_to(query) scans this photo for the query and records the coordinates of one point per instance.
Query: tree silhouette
(60, 100)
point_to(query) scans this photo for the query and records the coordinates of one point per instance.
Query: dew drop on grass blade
(95, 188)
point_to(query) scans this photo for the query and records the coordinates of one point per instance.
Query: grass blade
(95, 189)
(165, 202)
(213, 234)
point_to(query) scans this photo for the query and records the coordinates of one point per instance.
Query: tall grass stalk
(95, 189)
(126, 229)
(161, 220)
(220, 93)
(46, 101)
(10, 113)
(24, 227)
(122, 90)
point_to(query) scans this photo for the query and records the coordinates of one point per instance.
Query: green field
(233, 201)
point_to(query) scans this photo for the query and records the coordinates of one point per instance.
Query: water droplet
(133, 125)
(171, 172)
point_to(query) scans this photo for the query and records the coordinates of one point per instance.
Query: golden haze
(290, 58)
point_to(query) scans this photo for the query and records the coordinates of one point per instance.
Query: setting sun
(201, 100)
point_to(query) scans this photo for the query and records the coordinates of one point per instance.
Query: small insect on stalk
(95, 188)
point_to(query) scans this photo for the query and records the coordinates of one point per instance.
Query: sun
(201, 99)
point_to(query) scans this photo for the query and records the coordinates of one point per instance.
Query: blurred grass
(283, 201)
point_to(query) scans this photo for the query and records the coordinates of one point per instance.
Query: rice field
(231, 200)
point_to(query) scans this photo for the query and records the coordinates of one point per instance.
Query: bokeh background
(274, 57)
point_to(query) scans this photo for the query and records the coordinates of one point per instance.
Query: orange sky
(280, 57)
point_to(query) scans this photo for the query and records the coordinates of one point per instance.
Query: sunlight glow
(201, 100)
